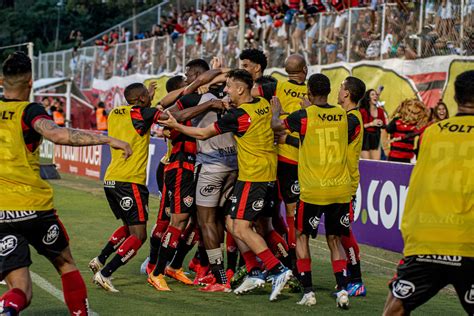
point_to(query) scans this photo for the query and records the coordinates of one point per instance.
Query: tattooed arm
(73, 137)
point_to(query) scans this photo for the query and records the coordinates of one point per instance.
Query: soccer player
(289, 93)
(351, 91)
(125, 181)
(254, 61)
(324, 179)
(28, 216)
(180, 185)
(438, 221)
(249, 120)
(216, 172)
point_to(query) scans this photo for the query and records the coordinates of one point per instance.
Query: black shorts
(288, 185)
(18, 229)
(336, 218)
(181, 190)
(250, 200)
(419, 278)
(371, 141)
(128, 201)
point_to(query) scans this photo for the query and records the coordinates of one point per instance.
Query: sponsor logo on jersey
(330, 117)
(403, 289)
(51, 235)
(440, 259)
(126, 203)
(345, 220)
(295, 188)
(469, 297)
(258, 205)
(7, 245)
(294, 94)
(314, 222)
(109, 184)
(188, 201)
(209, 189)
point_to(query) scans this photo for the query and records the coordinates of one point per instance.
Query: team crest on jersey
(295, 188)
(345, 220)
(314, 222)
(258, 205)
(51, 235)
(469, 297)
(126, 203)
(403, 289)
(7, 245)
(188, 201)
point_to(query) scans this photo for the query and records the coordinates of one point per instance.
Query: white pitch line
(51, 289)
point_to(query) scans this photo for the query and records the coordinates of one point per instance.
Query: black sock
(181, 253)
(112, 266)
(341, 280)
(306, 281)
(354, 271)
(203, 258)
(277, 269)
(106, 252)
(232, 257)
(219, 273)
(241, 260)
(255, 272)
(155, 244)
(165, 255)
(292, 255)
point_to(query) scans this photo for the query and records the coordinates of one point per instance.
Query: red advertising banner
(81, 161)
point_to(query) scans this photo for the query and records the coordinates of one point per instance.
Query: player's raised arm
(73, 137)
(196, 132)
(189, 113)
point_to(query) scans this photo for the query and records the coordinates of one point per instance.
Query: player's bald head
(295, 63)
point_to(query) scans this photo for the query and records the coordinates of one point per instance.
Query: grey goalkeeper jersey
(218, 152)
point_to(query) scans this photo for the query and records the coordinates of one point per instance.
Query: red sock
(159, 229)
(338, 265)
(230, 243)
(75, 293)
(277, 244)
(303, 265)
(171, 237)
(119, 236)
(250, 261)
(290, 220)
(351, 247)
(129, 248)
(269, 260)
(14, 299)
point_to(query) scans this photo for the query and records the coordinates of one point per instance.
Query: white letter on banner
(373, 216)
(358, 204)
(151, 152)
(401, 204)
(388, 190)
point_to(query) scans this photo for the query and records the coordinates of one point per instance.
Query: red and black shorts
(250, 200)
(181, 189)
(288, 185)
(128, 201)
(19, 229)
(336, 218)
(419, 278)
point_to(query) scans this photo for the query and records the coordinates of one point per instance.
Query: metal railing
(427, 29)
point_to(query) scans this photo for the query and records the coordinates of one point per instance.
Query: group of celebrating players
(240, 144)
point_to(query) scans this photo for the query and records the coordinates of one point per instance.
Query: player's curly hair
(319, 85)
(255, 56)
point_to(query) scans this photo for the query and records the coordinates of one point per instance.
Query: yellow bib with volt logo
(21, 187)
